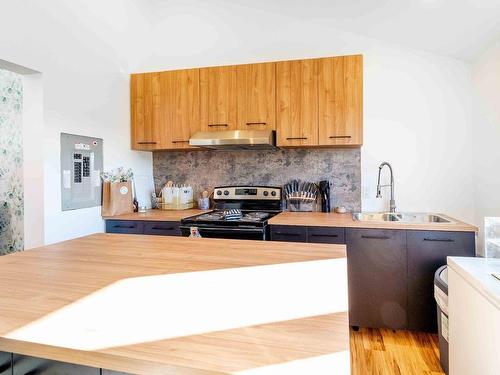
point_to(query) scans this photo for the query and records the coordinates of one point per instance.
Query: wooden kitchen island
(111, 303)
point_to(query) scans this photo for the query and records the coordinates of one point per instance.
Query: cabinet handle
(325, 235)
(376, 237)
(124, 226)
(439, 239)
(295, 138)
(180, 141)
(160, 228)
(287, 234)
(215, 125)
(256, 123)
(340, 136)
(146, 142)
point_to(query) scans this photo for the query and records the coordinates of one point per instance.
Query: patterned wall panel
(11, 163)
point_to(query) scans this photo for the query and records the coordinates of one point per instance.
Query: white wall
(85, 88)
(417, 117)
(486, 125)
(417, 105)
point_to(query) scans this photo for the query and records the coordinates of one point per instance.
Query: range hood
(235, 140)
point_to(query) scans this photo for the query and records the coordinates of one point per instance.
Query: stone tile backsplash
(207, 169)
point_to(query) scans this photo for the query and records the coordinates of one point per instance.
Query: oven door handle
(223, 229)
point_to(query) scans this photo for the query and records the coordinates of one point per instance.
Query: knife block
(301, 204)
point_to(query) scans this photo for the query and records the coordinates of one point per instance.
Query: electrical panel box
(81, 166)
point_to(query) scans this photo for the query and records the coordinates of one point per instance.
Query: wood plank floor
(388, 352)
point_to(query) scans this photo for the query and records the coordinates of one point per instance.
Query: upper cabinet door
(218, 90)
(340, 81)
(180, 107)
(297, 103)
(145, 110)
(256, 96)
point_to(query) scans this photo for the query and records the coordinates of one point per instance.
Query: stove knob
(266, 193)
(219, 192)
(226, 192)
(273, 193)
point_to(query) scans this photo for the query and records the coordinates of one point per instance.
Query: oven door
(227, 232)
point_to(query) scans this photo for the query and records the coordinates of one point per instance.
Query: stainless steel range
(241, 212)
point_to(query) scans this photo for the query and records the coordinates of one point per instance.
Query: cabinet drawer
(289, 233)
(162, 228)
(427, 251)
(124, 226)
(326, 235)
(454, 243)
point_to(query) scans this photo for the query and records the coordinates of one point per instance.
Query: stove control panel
(247, 193)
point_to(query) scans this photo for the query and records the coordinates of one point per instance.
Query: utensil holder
(204, 203)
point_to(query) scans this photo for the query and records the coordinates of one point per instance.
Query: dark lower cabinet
(124, 226)
(377, 278)
(26, 365)
(17, 364)
(162, 228)
(288, 233)
(427, 251)
(5, 363)
(295, 233)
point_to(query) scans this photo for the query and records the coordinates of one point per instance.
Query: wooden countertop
(157, 305)
(320, 219)
(157, 215)
(345, 220)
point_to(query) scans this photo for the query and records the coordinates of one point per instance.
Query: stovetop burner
(234, 215)
(256, 216)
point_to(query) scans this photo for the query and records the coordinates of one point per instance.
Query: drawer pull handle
(325, 235)
(376, 237)
(287, 234)
(160, 228)
(256, 123)
(296, 138)
(124, 226)
(340, 137)
(439, 239)
(216, 125)
(146, 142)
(180, 141)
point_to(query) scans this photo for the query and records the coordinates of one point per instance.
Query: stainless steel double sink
(401, 217)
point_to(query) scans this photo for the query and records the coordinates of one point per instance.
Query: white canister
(168, 195)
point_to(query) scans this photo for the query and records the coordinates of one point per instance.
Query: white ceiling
(461, 29)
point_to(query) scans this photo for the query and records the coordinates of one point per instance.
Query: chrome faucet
(392, 204)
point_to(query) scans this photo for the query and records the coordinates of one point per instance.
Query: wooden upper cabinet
(180, 107)
(340, 81)
(297, 103)
(256, 85)
(310, 103)
(218, 98)
(145, 110)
